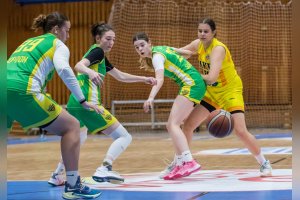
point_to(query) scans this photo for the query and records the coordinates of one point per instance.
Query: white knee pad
(121, 132)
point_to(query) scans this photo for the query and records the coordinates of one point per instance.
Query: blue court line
(273, 135)
(51, 138)
(35, 139)
(40, 190)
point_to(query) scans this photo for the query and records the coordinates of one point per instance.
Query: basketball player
(91, 69)
(224, 90)
(29, 69)
(164, 61)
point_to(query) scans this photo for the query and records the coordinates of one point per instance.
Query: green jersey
(177, 67)
(31, 66)
(99, 64)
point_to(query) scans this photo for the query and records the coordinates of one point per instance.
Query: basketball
(219, 123)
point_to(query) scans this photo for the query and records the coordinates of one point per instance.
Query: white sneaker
(105, 174)
(57, 179)
(266, 169)
(167, 170)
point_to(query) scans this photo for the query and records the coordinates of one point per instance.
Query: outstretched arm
(130, 78)
(185, 53)
(190, 49)
(158, 64)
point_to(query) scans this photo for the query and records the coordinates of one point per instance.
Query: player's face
(143, 48)
(205, 34)
(107, 41)
(62, 33)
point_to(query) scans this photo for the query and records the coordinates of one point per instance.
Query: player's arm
(216, 58)
(158, 61)
(94, 56)
(183, 52)
(130, 78)
(62, 66)
(192, 47)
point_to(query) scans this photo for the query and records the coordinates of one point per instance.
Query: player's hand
(151, 80)
(148, 105)
(96, 78)
(90, 106)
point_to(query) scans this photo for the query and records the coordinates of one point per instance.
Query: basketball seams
(220, 123)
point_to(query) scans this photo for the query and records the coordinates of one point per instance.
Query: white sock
(260, 158)
(60, 167)
(121, 141)
(187, 156)
(72, 177)
(178, 159)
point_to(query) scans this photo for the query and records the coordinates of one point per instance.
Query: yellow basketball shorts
(228, 97)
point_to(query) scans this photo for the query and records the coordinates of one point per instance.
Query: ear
(214, 32)
(55, 29)
(97, 38)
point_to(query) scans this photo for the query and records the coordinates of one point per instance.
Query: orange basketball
(219, 123)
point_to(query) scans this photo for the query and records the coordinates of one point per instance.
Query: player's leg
(194, 120)
(58, 177)
(68, 127)
(39, 110)
(121, 140)
(251, 143)
(197, 116)
(185, 164)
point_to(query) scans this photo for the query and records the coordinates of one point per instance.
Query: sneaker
(173, 174)
(184, 170)
(189, 168)
(105, 174)
(167, 170)
(266, 169)
(57, 179)
(80, 191)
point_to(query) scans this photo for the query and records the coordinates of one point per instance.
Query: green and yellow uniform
(93, 121)
(177, 68)
(29, 69)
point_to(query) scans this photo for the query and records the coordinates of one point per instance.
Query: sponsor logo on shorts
(51, 108)
(108, 117)
(185, 92)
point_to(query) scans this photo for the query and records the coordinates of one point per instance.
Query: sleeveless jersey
(91, 91)
(31, 66)
(227, 72)
(177, 67)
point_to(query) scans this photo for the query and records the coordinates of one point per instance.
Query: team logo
(184, 92)
(108, 117)
(207, 57)
(51, 108)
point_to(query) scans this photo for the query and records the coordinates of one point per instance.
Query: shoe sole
(189, 173)
(55, 185)
(64, 196)
(266, 175)
(108, 179)
(177, 176)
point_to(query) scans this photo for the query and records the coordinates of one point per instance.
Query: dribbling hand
(90, 106)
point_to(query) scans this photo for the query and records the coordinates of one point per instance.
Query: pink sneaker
(173, 174)
(188, 168)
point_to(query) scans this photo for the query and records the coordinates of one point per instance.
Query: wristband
(82, 101)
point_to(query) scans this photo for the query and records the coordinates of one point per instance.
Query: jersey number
(29, 45)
